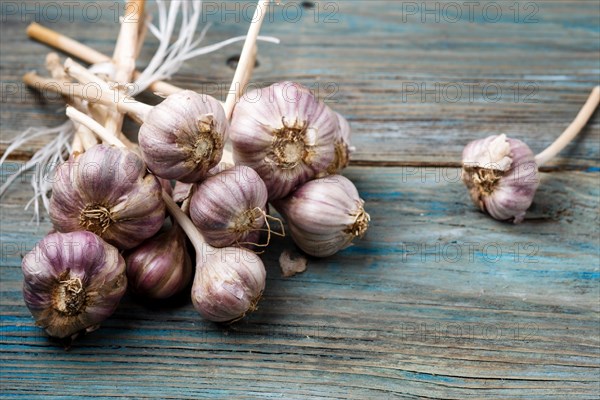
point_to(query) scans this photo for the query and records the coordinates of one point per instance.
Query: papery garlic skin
(228, 283)
(182, 138)
(107, 191)
(72, 282)
(501, 175)
(161, 266)
(324, 215)
(343, 148)
(285, 134)
(230, 208)
(181, 191)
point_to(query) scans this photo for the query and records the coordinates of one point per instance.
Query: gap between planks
(19, 156)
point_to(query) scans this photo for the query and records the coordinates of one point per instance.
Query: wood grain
(437, 301)
(415, 90)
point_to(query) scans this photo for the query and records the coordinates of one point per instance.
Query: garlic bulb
(285, 134)
(501, 175)
(73, 282)
(324, 215)
(161, 266)
(182, 138)
(230, 207)
(342, 146)
(228, 283)
(107, 191)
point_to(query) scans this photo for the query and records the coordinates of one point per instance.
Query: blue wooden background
(438, 300)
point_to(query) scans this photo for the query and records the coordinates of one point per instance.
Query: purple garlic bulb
(161, 266)
(501, 175)
(72, 282)
(324, 215)
(230, 208)
(107, 191)
(285, 134)
(228, 284)
(182, 138)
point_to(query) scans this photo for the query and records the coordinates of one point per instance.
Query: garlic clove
(228, 284)
(285, 134)
(161, 266)
(229, 208)
(107, 191)
(501, 175)
(324, 215)
(183, 137)
(72, 282)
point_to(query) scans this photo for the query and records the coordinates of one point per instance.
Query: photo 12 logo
(211, 11)
(68, 11)
(287, 11)
(453, 12)
(469, 92)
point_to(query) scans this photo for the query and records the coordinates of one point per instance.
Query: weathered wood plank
(438, 301)
(416, 86)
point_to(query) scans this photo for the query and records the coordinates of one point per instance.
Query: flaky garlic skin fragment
(228, 284)
(229, 208)
(182, 138)
(72, 282)
(324, 215)
(501, 175)
(160, 267)
(285, 134)
(107, 191)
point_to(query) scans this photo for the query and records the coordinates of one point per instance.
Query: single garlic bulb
(182, 138)
(107, 191)
(501, 175)
(230, 207)
(342, 146)
(228, 283)
(161, 266)
(73, 282)
(324, 215)
(285, 134)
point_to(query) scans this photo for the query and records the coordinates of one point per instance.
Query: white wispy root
(175, 47)
(44, 161)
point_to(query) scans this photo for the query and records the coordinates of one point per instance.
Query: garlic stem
(124, 56)
(94, 126)
(85, 53)
(186, 224)
(246, 61)
(76, 144)
(86, 136)
(82, 74)
(83, 139)
(109, 98)
(569, 134)
(142, 32)
(127, 41)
